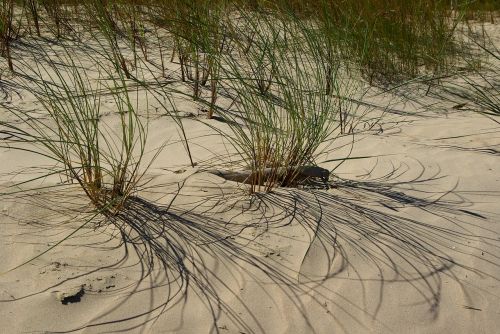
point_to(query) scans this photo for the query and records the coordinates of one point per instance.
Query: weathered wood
(249, 176)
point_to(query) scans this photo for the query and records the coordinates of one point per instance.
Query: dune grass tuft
(104, 158)
(6, 30)
(278, 131)
(479, 90)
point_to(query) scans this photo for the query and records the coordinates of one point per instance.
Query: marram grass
(107, 162)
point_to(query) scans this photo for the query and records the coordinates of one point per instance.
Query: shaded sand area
(404, 241)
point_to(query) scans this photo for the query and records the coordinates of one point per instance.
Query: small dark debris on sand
(70, 296)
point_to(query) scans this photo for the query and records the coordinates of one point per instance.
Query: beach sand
(404, 241)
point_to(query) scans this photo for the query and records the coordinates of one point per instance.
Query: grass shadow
(369, 233)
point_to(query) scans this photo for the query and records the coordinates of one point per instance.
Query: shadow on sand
(399, 233)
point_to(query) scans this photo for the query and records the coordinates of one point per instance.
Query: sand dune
(405, 240)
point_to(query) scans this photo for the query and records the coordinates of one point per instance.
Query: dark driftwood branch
(249, 176)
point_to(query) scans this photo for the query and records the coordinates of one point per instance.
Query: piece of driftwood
(249, 176)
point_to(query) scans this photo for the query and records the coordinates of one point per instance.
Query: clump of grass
(56, 13)
(481, 91)
(395, 40)
(261, 41)
(199, 36)
(277, 133)
(482, 10)
(185, 26)
(390, 40)
(125, 20)
(6, 30)
(136, 31)
(106, 161)
(101, 14)
(32, 7)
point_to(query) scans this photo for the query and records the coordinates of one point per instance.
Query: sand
(405, 241)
